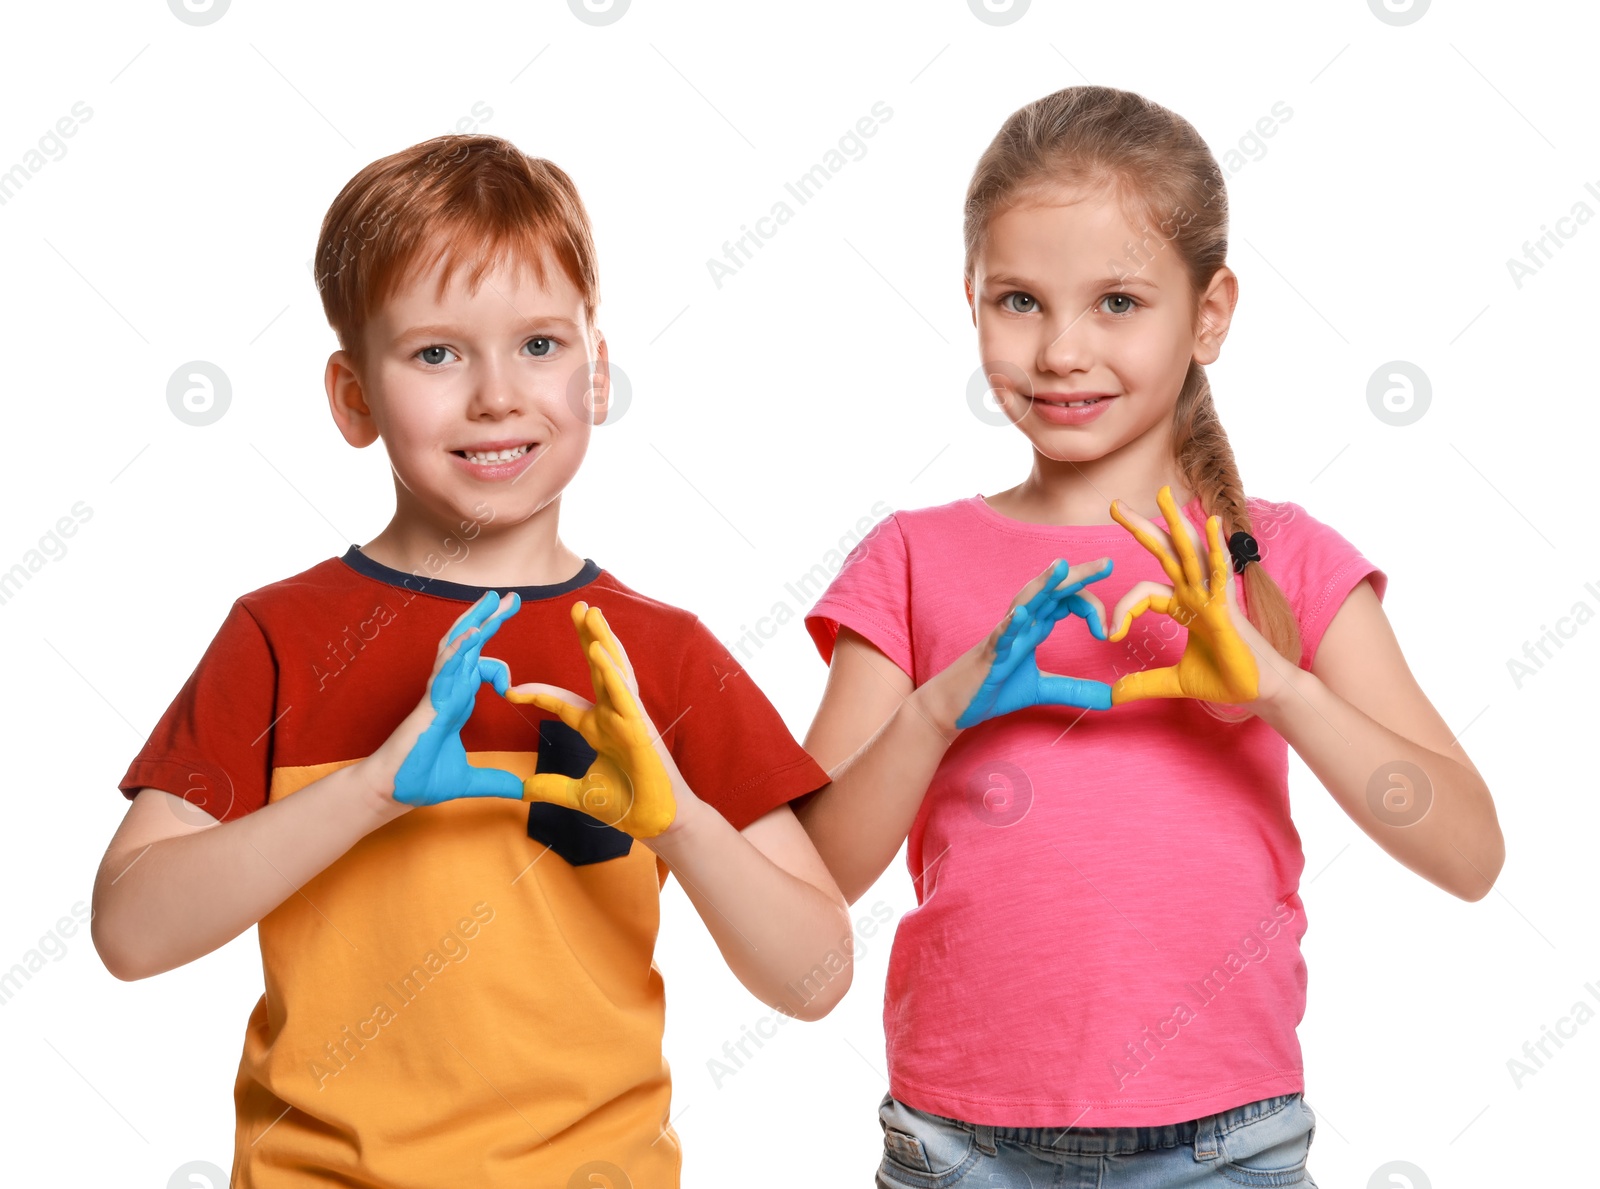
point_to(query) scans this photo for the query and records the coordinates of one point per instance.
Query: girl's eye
(423, 354)
(1120, 297)
(541, 346)
(1021, 297)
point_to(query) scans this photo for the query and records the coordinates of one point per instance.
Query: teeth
(492, 456)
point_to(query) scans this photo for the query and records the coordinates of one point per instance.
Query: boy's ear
(600, 378)
(347, 402)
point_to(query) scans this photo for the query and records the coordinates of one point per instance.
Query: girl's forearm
(1456, 843)
(160, 906)
(787, 941)
(859, 821)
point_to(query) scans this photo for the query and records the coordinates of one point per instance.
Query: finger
(998, 643)
(579, 614)
(462, 622)
(1149, 683)
(492, 782)
(1136, 602)
(551, 698)
(570, 714)
(1055, 690)
(1011, 629)
(586, 638)
(449, 663)
(473, 616)
(1221, 562)
(1053, 574)
(1084, 573)
(1044, 591)
(616, 686)
(1049, 604)
(1148, 535)
(1088, 605)
(1058, 586)
(602, 632)
(524, 692)
(553, 789)
(1179, 532)
(493, 671)
(504, 612)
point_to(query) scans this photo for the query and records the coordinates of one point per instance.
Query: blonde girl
(1102, 977)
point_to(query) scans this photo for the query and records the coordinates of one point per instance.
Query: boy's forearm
(177, 899)
(859, 821)
(786, 940)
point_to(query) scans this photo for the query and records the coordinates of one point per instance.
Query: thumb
(495, 672)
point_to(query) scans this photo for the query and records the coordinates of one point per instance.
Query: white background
(769, 414)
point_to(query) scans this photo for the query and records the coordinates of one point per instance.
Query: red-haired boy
(460, 992)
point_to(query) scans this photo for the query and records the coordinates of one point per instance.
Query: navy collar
(421, 584)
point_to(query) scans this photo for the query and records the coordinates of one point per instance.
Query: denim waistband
(1204, 1133)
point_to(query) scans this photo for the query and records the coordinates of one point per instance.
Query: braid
(1205, 460)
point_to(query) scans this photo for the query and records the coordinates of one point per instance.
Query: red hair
(470, 198)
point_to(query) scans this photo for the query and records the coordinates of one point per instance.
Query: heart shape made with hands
(1218, 663)
(627, 785)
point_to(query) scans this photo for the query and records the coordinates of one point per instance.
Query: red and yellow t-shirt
(467, 995)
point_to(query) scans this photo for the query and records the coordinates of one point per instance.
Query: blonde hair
(1158, 168)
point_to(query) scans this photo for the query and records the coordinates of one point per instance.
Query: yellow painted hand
(627, 786)
(1218, 663)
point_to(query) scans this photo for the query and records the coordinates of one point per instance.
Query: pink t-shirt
(1107, 925)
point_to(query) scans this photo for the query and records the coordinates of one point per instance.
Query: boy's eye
(435, 355)
(1027, 308)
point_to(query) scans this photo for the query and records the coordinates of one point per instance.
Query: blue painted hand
(1013, 680)
(436, 767)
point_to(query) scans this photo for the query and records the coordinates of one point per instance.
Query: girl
(1102, 977)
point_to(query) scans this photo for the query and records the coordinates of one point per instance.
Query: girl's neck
(1059, 492)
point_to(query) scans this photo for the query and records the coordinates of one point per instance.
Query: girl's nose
(1065, 347)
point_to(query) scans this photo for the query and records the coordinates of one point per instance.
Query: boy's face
(1072, 301)
(505, 368)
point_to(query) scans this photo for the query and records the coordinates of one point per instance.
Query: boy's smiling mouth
(497, 460)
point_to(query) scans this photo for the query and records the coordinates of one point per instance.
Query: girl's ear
(968, 284)
(1214, 315)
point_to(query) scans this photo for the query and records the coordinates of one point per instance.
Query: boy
(459, 987)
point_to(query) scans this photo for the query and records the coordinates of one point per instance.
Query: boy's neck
(527, 557)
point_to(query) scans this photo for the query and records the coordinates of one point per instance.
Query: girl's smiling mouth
(1069, 408)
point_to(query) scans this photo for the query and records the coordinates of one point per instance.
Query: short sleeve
(870, 595)
(729, 741)
(213, 746)
(1315, 567)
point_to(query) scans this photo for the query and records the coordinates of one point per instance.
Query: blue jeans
(1259, 1143)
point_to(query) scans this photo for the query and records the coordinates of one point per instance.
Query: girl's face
(1075, 304)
